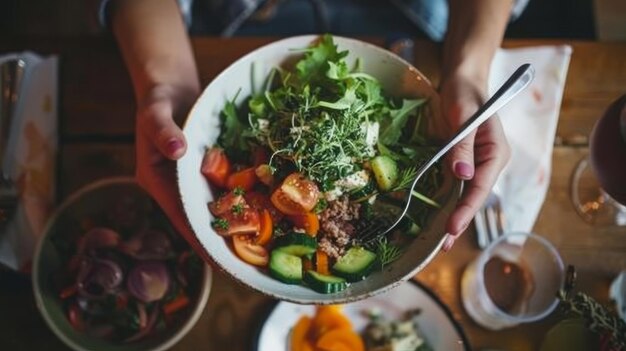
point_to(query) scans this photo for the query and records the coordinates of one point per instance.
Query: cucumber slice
(297, 244)
(285, 267)
(324, 284)
(356, 264)
(385, 171)
(364, 192)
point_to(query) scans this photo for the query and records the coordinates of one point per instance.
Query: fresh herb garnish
(386, 252)
(220, 223)
(237, 209)
(238, 191)
(320, 206)
(325, 118)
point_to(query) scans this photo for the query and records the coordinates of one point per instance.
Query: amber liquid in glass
(508, 284)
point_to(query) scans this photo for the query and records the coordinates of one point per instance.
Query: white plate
(436, 323)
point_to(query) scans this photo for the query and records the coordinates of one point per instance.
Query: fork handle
(519, 80)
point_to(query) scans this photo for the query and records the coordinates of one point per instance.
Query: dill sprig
(406, 178)
(386, 252)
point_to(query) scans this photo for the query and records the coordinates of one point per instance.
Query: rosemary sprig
(596, 316)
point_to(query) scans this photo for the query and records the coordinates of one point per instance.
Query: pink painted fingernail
(463, 170)
(174, 145)
(447, 244)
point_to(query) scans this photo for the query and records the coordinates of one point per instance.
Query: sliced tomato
(215, 166)
(250, 252)
(225, 203)
(266, 228)
(246, 221)
(296, 195)
(261, 202)
(308, 221)
(244, 179)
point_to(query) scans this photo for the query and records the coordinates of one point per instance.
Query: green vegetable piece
(356, 264)
(385, 171)
(324, 284)
(297, 244)
(285, 267)
(257, 106)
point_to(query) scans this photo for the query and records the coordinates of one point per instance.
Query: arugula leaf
(391, 132)
(232, 128)
(315, 62)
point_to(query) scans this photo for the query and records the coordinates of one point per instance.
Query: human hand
(477, 159)
(159, 142)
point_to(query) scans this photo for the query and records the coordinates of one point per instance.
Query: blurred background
(564, 19)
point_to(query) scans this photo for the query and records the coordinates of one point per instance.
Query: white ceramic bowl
(89, 202)
(246, 75)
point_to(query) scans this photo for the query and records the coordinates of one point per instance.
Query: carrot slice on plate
(299, 334)
(340, 339)
(327, 319)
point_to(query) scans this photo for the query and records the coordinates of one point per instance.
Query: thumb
(461, 158)
(163, 132)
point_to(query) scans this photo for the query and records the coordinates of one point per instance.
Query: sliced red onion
(149, 244)
(98, 237)
(182, 268)
(149, 326)
(98, 277)
(148, 281)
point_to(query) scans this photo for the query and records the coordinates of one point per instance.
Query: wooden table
(96, 137)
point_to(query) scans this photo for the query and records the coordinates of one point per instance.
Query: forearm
(475, 31)
(155, 45)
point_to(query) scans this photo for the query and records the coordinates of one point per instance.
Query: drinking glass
(514, 280)
(598, 187)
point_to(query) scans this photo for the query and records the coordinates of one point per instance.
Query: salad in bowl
(297, 160)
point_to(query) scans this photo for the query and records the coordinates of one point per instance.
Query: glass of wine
(514, 280)
(598, 185)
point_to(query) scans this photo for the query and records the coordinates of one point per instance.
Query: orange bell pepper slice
(308, 221)
(266, 228)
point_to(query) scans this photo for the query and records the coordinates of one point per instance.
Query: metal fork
(11, 74)
(387, 218)
(489, 220)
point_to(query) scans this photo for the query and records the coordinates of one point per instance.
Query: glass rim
(485, 256)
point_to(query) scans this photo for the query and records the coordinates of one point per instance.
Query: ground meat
(336, 228)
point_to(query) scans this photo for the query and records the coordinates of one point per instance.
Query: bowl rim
(203, 294)
(456, 188)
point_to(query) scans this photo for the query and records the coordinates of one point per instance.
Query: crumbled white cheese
(333, 194)
(371, 131)
(264, 124)
(354, 181)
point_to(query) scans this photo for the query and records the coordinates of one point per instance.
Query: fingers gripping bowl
(248, 77)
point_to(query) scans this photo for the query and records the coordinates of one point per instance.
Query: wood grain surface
(97, 118)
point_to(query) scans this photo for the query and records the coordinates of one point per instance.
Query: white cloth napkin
(31, 157)
(529, 123)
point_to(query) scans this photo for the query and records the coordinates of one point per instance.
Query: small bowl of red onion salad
(111, 273)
